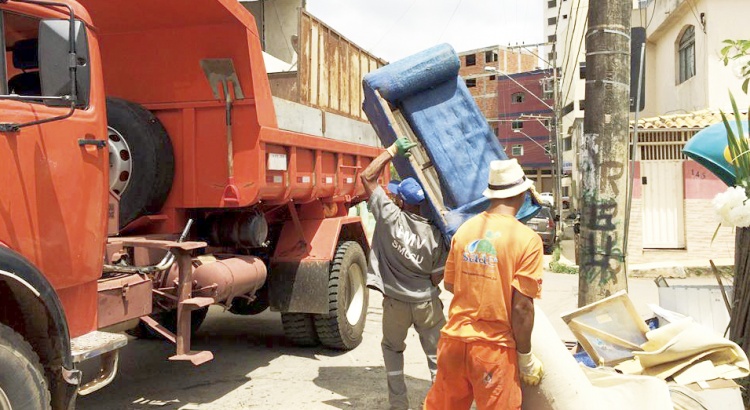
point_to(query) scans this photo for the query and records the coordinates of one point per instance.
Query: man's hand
(531, 368)
(401, 147)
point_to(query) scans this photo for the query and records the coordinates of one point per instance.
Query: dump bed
(423, 97)
(170, 56)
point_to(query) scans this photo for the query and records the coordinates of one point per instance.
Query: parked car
(544, 224)
(547, 198)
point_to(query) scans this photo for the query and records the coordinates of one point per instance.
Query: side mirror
(55, 62)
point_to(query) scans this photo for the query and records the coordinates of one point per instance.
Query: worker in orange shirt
(494, 270)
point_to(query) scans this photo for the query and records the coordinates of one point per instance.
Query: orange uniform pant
(475, 371)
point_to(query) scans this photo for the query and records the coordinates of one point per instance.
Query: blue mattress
(443, 115)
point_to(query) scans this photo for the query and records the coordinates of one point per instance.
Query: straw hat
(506, 180)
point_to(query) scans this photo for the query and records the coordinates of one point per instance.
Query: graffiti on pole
(600, 241)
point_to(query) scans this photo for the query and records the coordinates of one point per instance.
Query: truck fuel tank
(225, 279)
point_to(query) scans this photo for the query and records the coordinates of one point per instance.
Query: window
(471, 59)
(545, 123)
(471, 82)
(582, 70)
(567, 143)
(551, 21)
(552, 38)
(517, 150)
(551, 4)
(546, 149)
(548, 88)
(565, 16)
(516, 125)
(20, 55)
(517, 98)
(492, 78)
(496, 130)
(490, 56)
(686, 55)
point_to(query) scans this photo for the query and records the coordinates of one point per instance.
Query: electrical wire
(570, 38)
(386, 32)
(445, 29)
(578, 51)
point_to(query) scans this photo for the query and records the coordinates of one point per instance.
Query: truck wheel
(22, 382)
(141, 160)
(342, 328)
(168, 320)
(299, 328)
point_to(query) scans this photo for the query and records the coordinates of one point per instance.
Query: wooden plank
(429, 183)
(607, 337)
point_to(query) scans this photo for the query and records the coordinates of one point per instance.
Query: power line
(570, 40)
(445, 29)
(385, 33)
(578, 52)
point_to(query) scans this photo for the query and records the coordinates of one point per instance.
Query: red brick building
(482, 83)
(525, 123)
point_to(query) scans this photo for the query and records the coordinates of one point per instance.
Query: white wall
(708, 88)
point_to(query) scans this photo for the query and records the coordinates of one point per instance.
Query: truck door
(53, 200)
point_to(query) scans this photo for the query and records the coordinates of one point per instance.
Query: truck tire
(168, 320)
(299, 328)
(141, 159)
(22, 382)
(343, 326)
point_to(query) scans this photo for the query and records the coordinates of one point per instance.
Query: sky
(393, 29)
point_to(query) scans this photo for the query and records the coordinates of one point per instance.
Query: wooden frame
(609, 330)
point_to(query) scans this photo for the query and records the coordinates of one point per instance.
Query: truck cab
(179, 189)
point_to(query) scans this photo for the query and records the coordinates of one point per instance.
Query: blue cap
(409, 190)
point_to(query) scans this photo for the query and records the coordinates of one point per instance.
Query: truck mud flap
(299, 286)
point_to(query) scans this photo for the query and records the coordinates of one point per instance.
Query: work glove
(401, 147)
(531, 368)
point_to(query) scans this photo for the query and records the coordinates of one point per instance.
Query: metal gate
(663, 205)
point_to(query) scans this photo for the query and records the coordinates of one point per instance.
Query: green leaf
(744, 85)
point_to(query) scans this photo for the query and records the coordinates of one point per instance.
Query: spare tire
(141, 159)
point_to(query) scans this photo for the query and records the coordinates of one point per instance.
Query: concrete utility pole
(604, 151)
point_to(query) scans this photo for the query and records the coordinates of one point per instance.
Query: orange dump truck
(147, 172)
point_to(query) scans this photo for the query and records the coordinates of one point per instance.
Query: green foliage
(739, 147)
(738, 50)
(557, 267)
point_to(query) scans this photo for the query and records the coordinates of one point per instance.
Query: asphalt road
(256, 368)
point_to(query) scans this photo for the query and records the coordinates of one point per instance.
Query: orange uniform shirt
(490, 255)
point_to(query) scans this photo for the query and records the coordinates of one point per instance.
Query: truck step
(95, 344)
(104, 345)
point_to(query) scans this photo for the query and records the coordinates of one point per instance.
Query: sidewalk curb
(678, 270)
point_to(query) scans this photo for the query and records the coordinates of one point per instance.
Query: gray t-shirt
(406, 249)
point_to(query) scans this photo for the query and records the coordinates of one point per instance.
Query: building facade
(483, 83)
(525, 118)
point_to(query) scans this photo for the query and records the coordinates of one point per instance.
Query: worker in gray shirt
(406, 265)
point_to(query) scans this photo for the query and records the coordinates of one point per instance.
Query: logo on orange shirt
(481, 251)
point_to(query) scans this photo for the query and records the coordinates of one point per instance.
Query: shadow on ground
(240, 344)
(365, 387)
